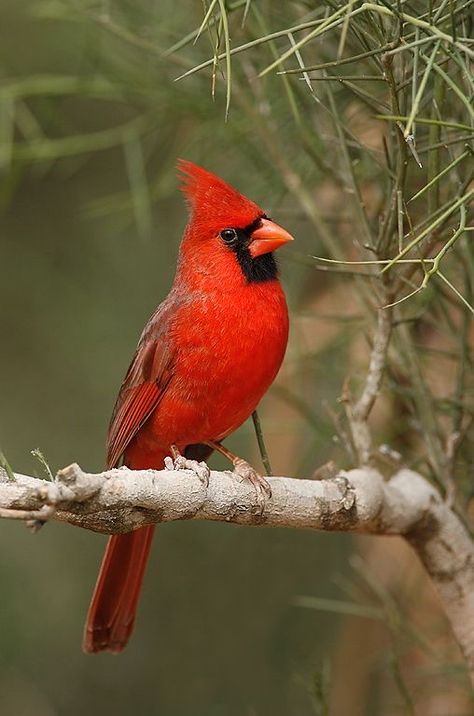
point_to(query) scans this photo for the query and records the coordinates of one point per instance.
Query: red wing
(144, 385)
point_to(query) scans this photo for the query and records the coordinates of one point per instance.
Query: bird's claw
(262, 488)
(179, 462)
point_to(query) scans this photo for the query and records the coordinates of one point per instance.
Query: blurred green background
(91, 125)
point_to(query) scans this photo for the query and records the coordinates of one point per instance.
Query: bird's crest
(212, 201)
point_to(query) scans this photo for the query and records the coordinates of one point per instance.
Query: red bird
(205, 358)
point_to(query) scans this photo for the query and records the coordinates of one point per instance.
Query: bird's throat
(259, 269)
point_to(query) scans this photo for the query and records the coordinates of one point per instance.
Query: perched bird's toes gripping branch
(245, 471)
(262, 488)
(179, 462)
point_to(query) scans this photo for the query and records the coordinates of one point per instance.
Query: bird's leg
(246, 472)
(179, 462)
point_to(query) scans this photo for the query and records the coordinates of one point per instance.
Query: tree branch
(359, 500)
(358, 414)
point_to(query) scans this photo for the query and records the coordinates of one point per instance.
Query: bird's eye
(228, 235)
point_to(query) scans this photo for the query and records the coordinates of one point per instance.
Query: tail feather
(114, 604)
(113, 607)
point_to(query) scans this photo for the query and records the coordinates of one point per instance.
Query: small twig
(429, 229)
(261, 443)
(42, 460)
(34, 519)
(6, 466)
(359, 412)
(452, 443)
(43, 514)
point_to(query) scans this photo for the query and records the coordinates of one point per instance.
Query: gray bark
(359, 500)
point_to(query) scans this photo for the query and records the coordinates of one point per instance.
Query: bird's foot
(262, 488)
(179, 462)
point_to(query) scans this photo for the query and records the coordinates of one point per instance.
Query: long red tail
(114, 603)
(112, 611)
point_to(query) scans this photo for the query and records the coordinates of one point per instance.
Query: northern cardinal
(205, 358)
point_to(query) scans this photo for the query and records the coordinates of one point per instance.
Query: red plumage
(204, 360)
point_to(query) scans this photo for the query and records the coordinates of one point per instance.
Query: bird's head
(223, 223)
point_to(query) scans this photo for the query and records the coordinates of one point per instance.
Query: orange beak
(268, 237)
